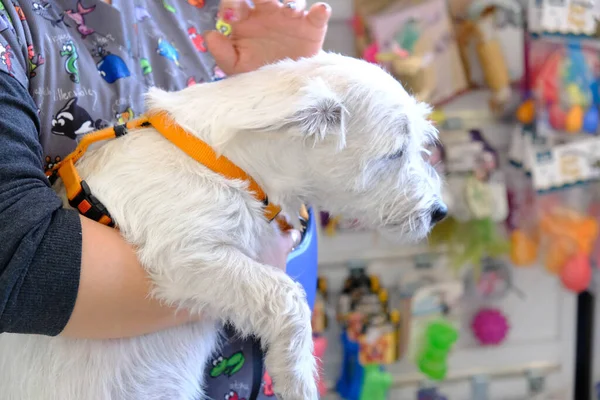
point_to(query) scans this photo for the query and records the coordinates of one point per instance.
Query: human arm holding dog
(113, 300)
(73, 256)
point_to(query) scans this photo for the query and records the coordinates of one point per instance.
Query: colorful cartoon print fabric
(87, 64)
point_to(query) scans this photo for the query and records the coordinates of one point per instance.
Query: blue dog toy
(349, 385)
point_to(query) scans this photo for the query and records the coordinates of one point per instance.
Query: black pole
(584, 346)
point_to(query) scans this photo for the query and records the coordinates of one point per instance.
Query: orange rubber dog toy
(570, 238)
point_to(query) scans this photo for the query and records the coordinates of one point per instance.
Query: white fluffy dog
(330, 131)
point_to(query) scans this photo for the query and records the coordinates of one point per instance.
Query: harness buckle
(89, 206)
(53, 177)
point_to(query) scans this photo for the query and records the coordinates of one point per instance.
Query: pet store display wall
(539, 312)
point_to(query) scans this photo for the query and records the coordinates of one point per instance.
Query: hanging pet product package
(415, 42)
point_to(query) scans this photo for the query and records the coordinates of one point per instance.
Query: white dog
(330, 131)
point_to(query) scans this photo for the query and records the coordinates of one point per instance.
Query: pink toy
(370, 53)
(320, 343)
(576, 275)
(490, 326)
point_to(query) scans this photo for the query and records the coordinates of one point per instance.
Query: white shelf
(363, 246)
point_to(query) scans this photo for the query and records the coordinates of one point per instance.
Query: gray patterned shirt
(87, 65)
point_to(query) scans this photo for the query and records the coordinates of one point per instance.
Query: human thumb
(222, 50)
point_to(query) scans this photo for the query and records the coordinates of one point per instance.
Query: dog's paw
(295, 389)
(293, 374)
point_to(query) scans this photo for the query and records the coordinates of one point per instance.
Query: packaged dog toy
(358, 291)
(477, 200)
(379, 340)
(565, 78)
(370, 338)
(568, 237)
(494, 281)
(568, 230)
(319, 314)
(522, 219)
(485, 31)
(478, 187)
(415, 42)
(352, 314)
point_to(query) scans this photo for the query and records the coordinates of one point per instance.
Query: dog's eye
(394, 156)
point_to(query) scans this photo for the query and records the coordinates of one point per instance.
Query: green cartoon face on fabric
(227, 366)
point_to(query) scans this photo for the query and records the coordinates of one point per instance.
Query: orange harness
(81, 197)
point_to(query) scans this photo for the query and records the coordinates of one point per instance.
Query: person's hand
(267, 32)
(276, 253)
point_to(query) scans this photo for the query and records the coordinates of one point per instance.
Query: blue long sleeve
(40, 242)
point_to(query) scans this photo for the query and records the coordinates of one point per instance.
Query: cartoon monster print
(51, 162)
(70, 52)
(5, 20)
(6, 57)
(124, 116)
(168, 6)
(42, 9)
(77, 16)
(73, 121)
(35, 61)
(197, 39)
(20, 13)
(168, 51)
(268, 385)
(227, 366)
(141, 14)
(192, 81)
(145, 66)
(233, 395)
(196, 3)
(111, 67)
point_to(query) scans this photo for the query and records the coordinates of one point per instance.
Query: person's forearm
(113, 300)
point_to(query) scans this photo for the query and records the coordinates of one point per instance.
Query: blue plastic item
(349, 384)
(303, 261)
(590, 120)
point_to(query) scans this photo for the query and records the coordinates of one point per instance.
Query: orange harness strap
(79, 193)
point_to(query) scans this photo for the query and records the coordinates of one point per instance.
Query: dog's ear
(320, 114)
(303, 107)
(239, 107)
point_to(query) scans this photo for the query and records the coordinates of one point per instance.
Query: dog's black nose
(438, 213)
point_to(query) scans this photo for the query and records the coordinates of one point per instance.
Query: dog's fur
(330, 131)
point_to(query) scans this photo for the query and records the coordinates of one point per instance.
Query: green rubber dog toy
(376, 383)
(438, 340)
